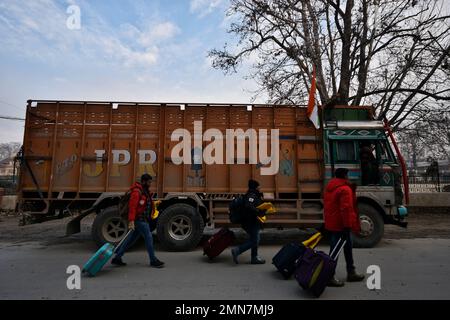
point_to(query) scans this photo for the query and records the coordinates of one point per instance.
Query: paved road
(410, 269)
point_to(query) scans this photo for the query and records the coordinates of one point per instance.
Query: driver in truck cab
(140, 207)
(341, 219)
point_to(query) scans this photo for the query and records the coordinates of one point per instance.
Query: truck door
(376, 162)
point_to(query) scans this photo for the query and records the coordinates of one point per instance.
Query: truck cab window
(385, 155)
(370, 171)
(345, 151)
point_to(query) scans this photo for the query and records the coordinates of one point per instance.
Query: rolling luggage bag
(101, 257)
(218, 243)
(328, 269)
(285, 260)
(315, 268)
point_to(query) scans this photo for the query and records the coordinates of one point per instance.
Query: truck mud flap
(74, 226)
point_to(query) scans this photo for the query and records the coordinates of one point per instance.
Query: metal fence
(423, 183)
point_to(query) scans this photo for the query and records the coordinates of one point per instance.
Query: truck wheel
(180, 227)
(109, 226)
(372, 227)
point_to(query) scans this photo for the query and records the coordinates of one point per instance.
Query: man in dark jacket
(140, 207)
(250, 223)
(341, 219)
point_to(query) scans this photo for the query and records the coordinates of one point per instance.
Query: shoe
(258, 260)
(335, 283)
(157, 264)
(118, 262)
(235, 254)
(352, 276)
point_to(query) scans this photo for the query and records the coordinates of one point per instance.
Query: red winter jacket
(138, 202)
(340, 211)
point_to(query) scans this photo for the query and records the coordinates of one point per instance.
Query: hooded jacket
(139, 199)
(340, 210)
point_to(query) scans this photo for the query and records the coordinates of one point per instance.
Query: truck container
(79, 158)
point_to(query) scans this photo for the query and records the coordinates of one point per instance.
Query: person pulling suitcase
(341, 219)
(140, 207)
(251, 224)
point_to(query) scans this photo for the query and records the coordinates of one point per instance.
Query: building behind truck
(79, 157)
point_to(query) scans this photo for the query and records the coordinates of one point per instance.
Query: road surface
(34, 259)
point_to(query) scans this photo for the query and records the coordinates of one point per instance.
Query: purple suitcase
(315, 269)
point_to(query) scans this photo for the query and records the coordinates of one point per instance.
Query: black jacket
(252, 199)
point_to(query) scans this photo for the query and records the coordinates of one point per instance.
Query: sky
(121, 50)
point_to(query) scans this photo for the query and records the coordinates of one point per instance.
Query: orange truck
(79, 158)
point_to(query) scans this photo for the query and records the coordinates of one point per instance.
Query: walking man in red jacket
(341, 219)
(140, 207)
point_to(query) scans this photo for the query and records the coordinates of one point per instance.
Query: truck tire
(109, 226)
(180, 227)
(372, 227)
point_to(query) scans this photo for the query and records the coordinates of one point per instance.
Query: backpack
(236, 208)
(123, 203)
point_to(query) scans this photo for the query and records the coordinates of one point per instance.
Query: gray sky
(126, 50)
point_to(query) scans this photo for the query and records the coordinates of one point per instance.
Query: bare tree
(9, 150)
(428, 138)
(394, 54)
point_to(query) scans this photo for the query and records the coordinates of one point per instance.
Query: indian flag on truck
(312, 111)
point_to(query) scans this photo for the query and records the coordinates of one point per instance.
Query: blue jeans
(252, 243)
(141, 228)
(348, 248)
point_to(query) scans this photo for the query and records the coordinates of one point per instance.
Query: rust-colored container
(84, 155)
(92, 147)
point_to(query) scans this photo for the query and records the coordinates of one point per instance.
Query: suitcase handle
(121, 241)
(339, 245)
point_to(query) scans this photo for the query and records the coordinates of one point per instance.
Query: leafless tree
(394, 54)
(428, 138)
(9, 150)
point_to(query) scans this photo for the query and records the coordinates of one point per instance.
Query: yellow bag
(155, 213)
(268, 207)
(313, 241)
(262, 219)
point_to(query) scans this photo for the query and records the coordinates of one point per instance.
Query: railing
(422, 183)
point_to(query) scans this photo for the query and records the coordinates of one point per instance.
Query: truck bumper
(402, 212)
(399, 219)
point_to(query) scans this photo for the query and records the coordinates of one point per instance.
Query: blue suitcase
(101, 257)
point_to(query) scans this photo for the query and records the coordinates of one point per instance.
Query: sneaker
(258, 260)
(352, 276)
(335, 283)
(157, 264)
(235, 254)
(118, 262)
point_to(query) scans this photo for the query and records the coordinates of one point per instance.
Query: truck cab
(354, 140)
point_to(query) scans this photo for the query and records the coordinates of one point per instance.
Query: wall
(432, 199)
(8, 203)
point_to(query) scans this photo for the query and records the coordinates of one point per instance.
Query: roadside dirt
(422, 225)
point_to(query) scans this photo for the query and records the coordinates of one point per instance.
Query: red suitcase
(218, 243)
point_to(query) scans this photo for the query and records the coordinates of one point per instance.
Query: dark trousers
(252, 243)
(348, 248)
(142, 228)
